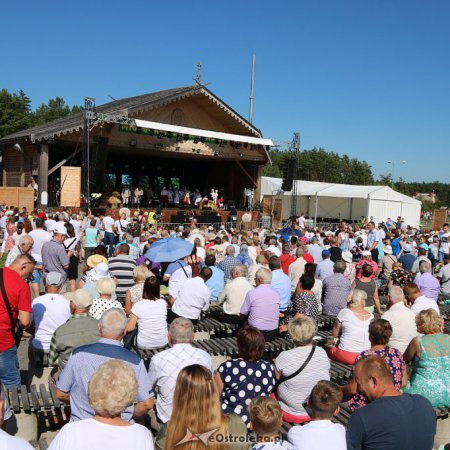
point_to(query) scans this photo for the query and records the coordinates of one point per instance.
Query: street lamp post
(393, 171)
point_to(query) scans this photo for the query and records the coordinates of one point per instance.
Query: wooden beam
(63, 161)
(43, 171)
(246, 173)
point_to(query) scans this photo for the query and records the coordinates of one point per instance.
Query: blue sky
(367, 78)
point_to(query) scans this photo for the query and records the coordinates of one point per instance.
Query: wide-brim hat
(94, 260)
(347, 256)
(387, 249)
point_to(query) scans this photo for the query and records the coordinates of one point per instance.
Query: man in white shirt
(234, 293)
(418, 301)
(76, 223)
(108, 239)
(261, 263)
(401, 318)
(301, 221)
(192, 298)
(297, 268)
(121, 226)
(40, 237)
(165, 366)
(273, 247)
(49, 312)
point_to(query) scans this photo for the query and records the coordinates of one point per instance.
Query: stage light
(132, 143)
(18, 148)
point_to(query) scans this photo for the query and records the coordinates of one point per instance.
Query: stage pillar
(257, 195)
(43, 171)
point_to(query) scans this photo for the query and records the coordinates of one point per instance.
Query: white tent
(345, 201)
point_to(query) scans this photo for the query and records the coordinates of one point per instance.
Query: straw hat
(347, 256)
(93, 260)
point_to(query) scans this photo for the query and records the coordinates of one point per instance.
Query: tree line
(16, 113)
(319, 164)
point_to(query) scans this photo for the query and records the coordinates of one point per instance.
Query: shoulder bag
(282, 379)
(16, 331)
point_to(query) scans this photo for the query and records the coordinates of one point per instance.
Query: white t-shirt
(193, 298)
(121, 227)
(422, 303)
(301, 222)
(40, 237)
(49, 224)
(201, 253)
(76, 226)
(152, 323)
(444, 238)
(94, 435)
(50, 311)
(8, 442)
(318, 435)
(355, 332)
(108, 223)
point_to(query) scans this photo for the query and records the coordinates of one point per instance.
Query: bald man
(391, 420)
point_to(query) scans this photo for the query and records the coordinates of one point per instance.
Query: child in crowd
(265, 421)
(321, 433)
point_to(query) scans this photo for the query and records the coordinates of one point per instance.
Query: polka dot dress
(242, 382)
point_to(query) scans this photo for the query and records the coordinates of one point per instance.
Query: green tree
(54, 109)
(15, 112)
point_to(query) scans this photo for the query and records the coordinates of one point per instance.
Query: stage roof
(134, 105)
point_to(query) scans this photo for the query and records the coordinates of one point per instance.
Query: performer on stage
(170, 196)
(138, 193)
(150, 196)
(187, 199)
(164, 197)
(176, 198)
(126, 194)
(34, 185)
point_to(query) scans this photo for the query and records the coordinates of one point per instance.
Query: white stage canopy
(345, 201)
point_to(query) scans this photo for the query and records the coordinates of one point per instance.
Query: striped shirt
(292, 393)
(121, 268)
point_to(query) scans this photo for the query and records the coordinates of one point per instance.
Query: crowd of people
(112, 293)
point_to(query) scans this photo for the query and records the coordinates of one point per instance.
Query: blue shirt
(216, 283)
(372, 237)
(407, 260)
(282, 284)
(395, 244)
(82, 364)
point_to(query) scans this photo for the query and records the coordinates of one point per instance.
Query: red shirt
(286, 260)
(308, 258)
(20, 300)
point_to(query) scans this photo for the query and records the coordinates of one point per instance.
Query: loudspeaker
(98, 163)
(288, 173)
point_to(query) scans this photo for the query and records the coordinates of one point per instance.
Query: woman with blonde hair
(106, 288)
(112, 389)
(134, 293)
(196, 407)
(430, 355)
(351, 329)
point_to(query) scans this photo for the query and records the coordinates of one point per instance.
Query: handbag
(16, 331)
(129, 340)
(282, 379)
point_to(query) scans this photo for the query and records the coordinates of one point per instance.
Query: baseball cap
(60, 229)
(53, 279)
(81, 298)
(326, 253)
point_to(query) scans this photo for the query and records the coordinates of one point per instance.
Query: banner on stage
(70, 186)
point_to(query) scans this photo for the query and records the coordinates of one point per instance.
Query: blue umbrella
(169, 250)
(290, 232)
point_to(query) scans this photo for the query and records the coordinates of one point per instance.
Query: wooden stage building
(185, 137)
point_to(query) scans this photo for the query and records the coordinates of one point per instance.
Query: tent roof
(271, 185)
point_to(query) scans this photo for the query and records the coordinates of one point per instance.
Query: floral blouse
(400, 277)
(396, 363)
